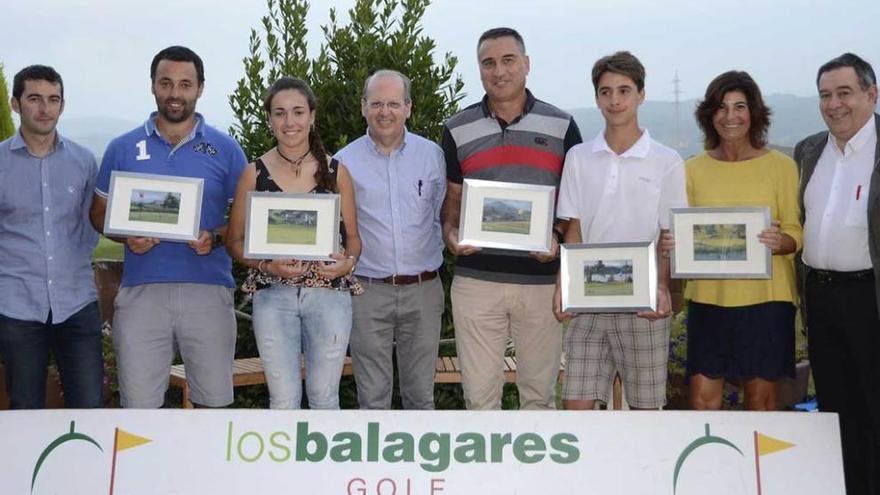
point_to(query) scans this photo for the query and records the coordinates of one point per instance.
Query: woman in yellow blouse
(742, 330)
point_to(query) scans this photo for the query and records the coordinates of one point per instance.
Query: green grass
(608, 289)
(108, 250)
(291, 234)
(724, 248)
(152, 216)
(507, 227)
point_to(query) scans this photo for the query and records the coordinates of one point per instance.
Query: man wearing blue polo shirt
(175, 293)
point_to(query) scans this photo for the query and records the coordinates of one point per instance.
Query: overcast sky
(103, 48)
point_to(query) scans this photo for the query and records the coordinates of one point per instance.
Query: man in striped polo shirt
(509, 136)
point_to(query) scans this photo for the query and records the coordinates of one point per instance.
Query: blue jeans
(76, 346)
(291, 321)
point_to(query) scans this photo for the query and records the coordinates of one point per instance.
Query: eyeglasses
(379, 105)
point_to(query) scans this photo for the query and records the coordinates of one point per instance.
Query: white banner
(229, 451)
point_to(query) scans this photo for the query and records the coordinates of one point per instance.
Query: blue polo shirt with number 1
(206, 153)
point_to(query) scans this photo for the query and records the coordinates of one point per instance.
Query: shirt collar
(375, 147)
(150, 125)
(638, 150)
(530, 103)
(862, 137)
(18, 141)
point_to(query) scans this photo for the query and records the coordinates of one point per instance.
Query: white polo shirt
(621, 198)
(836, 204)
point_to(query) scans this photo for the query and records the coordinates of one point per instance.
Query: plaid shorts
(599, 345)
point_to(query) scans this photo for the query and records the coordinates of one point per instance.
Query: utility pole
(677, 92)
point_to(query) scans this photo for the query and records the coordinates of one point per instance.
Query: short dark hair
(502, 32)
(759, 113)
(178, 54)
(864, 71)
(622, 62)
(35, 73)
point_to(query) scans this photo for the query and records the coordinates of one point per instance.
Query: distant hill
(793, 118)
(95, 133)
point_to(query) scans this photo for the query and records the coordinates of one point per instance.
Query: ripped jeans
(314, 322)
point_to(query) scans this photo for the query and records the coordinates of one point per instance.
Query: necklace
(294, 164)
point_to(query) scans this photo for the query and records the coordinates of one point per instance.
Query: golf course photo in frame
(291, 225)
(718, 243)
(506, 215)
(148, 205)
(608, 278)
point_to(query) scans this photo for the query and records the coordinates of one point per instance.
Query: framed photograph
(506, 215)
(609, 278)
(148, 205)
(720, 243)
(291, 225)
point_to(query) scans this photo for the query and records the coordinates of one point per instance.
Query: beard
(175, 116)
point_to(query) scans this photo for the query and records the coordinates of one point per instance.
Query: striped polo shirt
(529, 150)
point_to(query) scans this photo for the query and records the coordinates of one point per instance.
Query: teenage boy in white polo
(619, 187)
(172, 292)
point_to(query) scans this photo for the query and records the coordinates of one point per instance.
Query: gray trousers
(405, 315)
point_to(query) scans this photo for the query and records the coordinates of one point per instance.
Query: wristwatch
(216, 239)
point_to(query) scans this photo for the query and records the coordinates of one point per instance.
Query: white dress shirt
(621, 198)
(836, 204)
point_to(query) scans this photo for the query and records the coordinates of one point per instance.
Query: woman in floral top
(300, 307)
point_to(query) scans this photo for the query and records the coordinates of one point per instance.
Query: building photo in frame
(608, 278)
(291, 225)
(506, 215)
(160, 206)
(716, 243)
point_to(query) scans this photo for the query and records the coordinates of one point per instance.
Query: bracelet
(260, 266)
(354, 262)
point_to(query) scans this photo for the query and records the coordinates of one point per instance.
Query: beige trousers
(486, 315)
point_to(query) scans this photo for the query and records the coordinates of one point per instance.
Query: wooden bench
(249, 371)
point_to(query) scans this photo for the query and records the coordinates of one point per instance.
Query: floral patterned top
(257, 280)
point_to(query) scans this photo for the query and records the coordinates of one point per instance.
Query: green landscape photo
(292, 227)
(720, 242)
(608, 278)
(154, 206)
(510, 216)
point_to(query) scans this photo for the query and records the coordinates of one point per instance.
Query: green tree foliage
(7, 128)
(381, 34)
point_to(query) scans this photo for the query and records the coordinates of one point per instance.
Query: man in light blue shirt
(46, 244)
(400, 182)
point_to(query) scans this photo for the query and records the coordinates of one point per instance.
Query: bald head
(386, 74)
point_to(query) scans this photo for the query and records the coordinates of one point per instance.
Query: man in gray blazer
(839, 266)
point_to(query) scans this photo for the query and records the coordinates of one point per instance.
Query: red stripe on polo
(510, 155)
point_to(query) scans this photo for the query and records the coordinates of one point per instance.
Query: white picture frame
(301, 226)
(720, 243)
(150, 205)
(507, 215)
(608, 277)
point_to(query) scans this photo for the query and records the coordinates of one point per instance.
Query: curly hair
(759, 113)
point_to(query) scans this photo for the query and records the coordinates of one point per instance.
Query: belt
(404, 279)
(832, 277)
